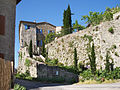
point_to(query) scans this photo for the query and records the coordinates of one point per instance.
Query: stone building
(7, 40)
(7, 28)
(35, 32)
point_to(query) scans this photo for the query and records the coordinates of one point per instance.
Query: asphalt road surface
(31, 85)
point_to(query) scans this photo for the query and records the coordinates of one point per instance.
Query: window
(2, 25)
(40, 31)
(27, 27)
(48, 31)
(1, 55)
(37, 43)
(41, 42)
(37, 30)
(53, 31)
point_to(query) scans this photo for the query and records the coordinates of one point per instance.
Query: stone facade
(7, 28)
(35, 32)
(63, 48)
(7, 41)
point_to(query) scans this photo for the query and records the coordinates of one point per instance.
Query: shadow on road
(35, 85)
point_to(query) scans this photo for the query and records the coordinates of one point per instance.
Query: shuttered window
(2, 25)
(1, 55)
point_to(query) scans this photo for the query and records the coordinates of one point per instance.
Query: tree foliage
(78, 26)
(107, 64)
(50, 37)
(67, 22)
(30, 49)
(92, 58)
(75, 59)
(43, 49)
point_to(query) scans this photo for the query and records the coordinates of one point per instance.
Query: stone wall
(40, 70)
(8, 10)
(63, 48)
(5, 74)
(44, 71)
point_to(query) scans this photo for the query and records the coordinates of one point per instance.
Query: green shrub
(111, 30)
(27, 62)
(116, 54)
(18, 87)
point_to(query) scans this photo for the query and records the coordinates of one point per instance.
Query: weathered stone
(62, 48)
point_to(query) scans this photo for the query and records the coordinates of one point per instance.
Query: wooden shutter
(2, 25)
(1, 55)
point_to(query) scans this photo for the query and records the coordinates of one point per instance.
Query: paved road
(40, 86)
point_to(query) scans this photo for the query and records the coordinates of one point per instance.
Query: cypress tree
(107, 65)
(30, 49)
(75, 59)
(43, 49)
(92, 58)
(67, 21)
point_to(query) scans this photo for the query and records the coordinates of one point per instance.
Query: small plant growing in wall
(111, 30)
(116, 54)
(30, 49)
(27, 62)
(20, 55)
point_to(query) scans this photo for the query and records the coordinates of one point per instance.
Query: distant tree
(67, 22)
(107, 64)
(43, 49)
(92, 58)
(30, 49)
(94, 18)
(50, 37)
(75, 59)
(77, 26)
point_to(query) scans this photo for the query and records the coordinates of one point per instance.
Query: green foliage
(25, 76)
(107, 64)
(30, 49)
(27, 62)
(18, 87)
(50, 62)
(92, 58)
(94, 18)
(111, 30)
(50, 37)
(43, 49)
(81, 67)
(116, 54)
(77, 26)
(101, 75)
(108, 16)
(38, 59)
(26, 44)
(67, 21)
(71, 44)
(75, 59)
(113, 47)
(20, 55)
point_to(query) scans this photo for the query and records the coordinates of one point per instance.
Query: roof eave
(18, 1)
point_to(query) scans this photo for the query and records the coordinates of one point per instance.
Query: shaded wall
(44, 71)
(5, 74)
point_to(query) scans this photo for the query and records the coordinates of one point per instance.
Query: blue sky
(52, 11)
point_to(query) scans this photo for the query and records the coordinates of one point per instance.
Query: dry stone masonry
(63, 48)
